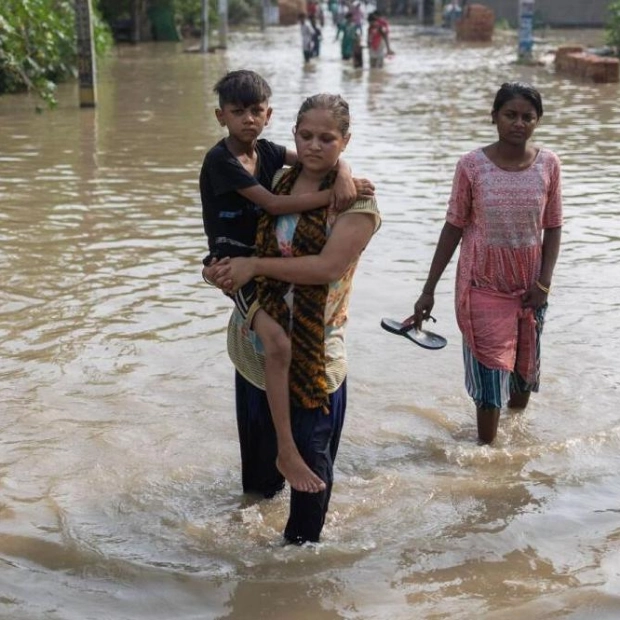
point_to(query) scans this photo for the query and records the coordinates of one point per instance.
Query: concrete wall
(555, 13)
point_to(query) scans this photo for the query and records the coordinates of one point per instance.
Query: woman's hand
(208, 272)
(216, 274)
(230, 274)
(206, 275)
(421, 311)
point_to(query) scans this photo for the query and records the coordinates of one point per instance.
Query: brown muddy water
(119, 466)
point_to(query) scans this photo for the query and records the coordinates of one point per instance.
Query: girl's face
(516, 121)
(319, 141)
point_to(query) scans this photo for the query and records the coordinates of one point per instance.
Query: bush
(240, 11)
(38, 45)
(188, 12)
(612, 27)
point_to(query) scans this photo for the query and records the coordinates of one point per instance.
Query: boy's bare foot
(297, 473)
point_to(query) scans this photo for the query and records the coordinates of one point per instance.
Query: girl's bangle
(543, 288)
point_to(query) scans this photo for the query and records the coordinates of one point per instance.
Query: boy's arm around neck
(344, 193)
(281, 205)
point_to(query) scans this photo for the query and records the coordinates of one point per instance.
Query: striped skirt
(490, 387)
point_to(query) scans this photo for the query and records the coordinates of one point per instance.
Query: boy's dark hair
(510, 90)
(242, 87)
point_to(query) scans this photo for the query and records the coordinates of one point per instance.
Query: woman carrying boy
(305, 264)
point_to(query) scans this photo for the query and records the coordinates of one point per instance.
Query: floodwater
(120, 492)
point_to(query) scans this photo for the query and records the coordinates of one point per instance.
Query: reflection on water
(119, 472)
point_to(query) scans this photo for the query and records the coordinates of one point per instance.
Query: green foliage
(241, 10)
(188, 12)
(612, 27)
(38, 45)
(112, 10)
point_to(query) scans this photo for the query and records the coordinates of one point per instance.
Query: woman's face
(516, 121)
(319, 141)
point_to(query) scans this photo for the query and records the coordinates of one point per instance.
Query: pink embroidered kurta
(503, 215)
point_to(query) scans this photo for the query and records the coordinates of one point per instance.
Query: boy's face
(244, 124)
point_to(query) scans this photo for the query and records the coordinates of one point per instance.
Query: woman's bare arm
(350, 235)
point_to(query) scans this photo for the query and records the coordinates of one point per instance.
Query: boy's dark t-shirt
(230, 220)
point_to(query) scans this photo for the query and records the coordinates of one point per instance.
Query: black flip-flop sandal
(422, 337)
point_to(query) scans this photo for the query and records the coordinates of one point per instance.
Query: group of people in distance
(285, 232)
(349, 30)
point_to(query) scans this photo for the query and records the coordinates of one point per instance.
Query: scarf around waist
(500, 333)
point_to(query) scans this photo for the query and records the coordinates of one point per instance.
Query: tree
(38, 45)
(612, 27)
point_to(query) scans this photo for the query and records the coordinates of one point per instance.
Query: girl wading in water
(506, 211)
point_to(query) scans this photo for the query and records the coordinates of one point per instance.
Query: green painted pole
(204, 26)
(223, 19)
(86, 54)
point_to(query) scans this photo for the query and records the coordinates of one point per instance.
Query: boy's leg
(277, 347)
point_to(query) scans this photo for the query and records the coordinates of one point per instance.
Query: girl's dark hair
(242, 87)
(333, 103)
(510, 90)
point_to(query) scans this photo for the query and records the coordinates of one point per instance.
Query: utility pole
(437, 13)
(136, 16)
(266, 14)
(526, 30)
(223, 22)
(420, 12)
(86, 55)
(204, 26)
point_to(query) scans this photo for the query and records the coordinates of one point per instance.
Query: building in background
(554, 13)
